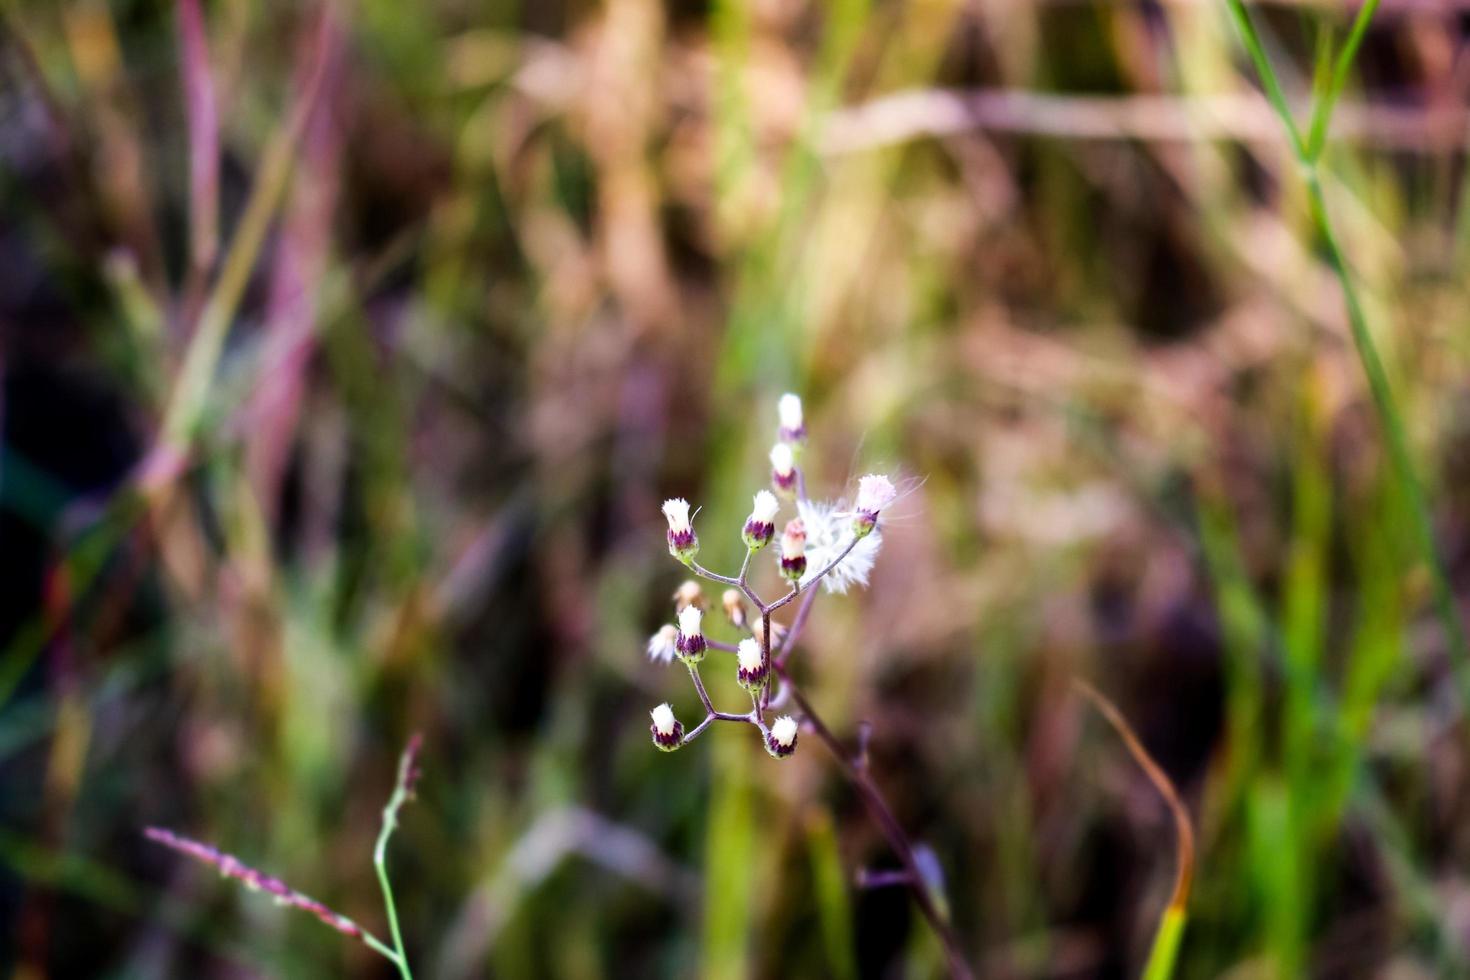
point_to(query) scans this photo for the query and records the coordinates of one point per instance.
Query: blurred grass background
(349, 349)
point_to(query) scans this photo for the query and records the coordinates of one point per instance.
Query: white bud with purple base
(752, 671)
(781, 741)
(663, 645)
(793, 550)
(683, 545)
(666, 730)
(690, 642)
(760, 526)
(783, 469)
(793, 425)
(875, 492)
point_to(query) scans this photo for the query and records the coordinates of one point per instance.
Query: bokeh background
(350, 347)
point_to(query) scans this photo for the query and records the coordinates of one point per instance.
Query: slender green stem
(402, 792)
(380, 947)
(1322, 111)
(1393, 427)
(1267, 75)
(1383, 398)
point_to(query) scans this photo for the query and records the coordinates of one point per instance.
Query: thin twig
(788, 643)
(812, 582)
(892, 830)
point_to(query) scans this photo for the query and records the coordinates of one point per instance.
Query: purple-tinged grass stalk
(807, 556)
(203, 117)
(1164, 952)
(230, 866)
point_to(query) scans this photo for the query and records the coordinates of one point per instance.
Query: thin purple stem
(766, 657)
(699, 688)
(882, 879)
(709, 720)
(734, 583)
(699, 569)
(711, 714)
(789, 642)
(814, 579)
(856, 770)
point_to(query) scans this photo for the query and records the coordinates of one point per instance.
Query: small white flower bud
(875, 492)
(663, 645)
(689, 594)
(783, 469)
(734, 604)
(752, 665)
(666, 730)
(793, 550)
(793, 426)
(782, 740)
(690, 642)
(683, 545)
(760, 525)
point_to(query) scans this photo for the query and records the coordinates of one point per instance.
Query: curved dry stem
(1167, 936)
(1184, 830)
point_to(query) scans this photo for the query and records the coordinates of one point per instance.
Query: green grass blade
(1322, 110)
(1384, 402)
(1165, 951)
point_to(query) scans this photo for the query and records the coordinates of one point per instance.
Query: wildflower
(875, 492)
(752, 665)
(793, 550)
(793, 426)
(667, 732)
(783, 469)
(734, 604)
(663, 645)
(689, 594)
(781, 742)
(760, 525)
(683, 545)
(690, 642)
(827, 535)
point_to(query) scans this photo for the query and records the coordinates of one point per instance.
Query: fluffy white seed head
(689, 619)
(875, 491)
(765, 508)
(828, 526)
(661, 644)
(677, 512)
(749, 655)
(664, 721)
(782, 462)
(783, 730)
(789, 410)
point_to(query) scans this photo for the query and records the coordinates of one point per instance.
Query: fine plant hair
(844, 542)
(231, 867)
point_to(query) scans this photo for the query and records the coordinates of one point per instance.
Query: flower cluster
(822, 541)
